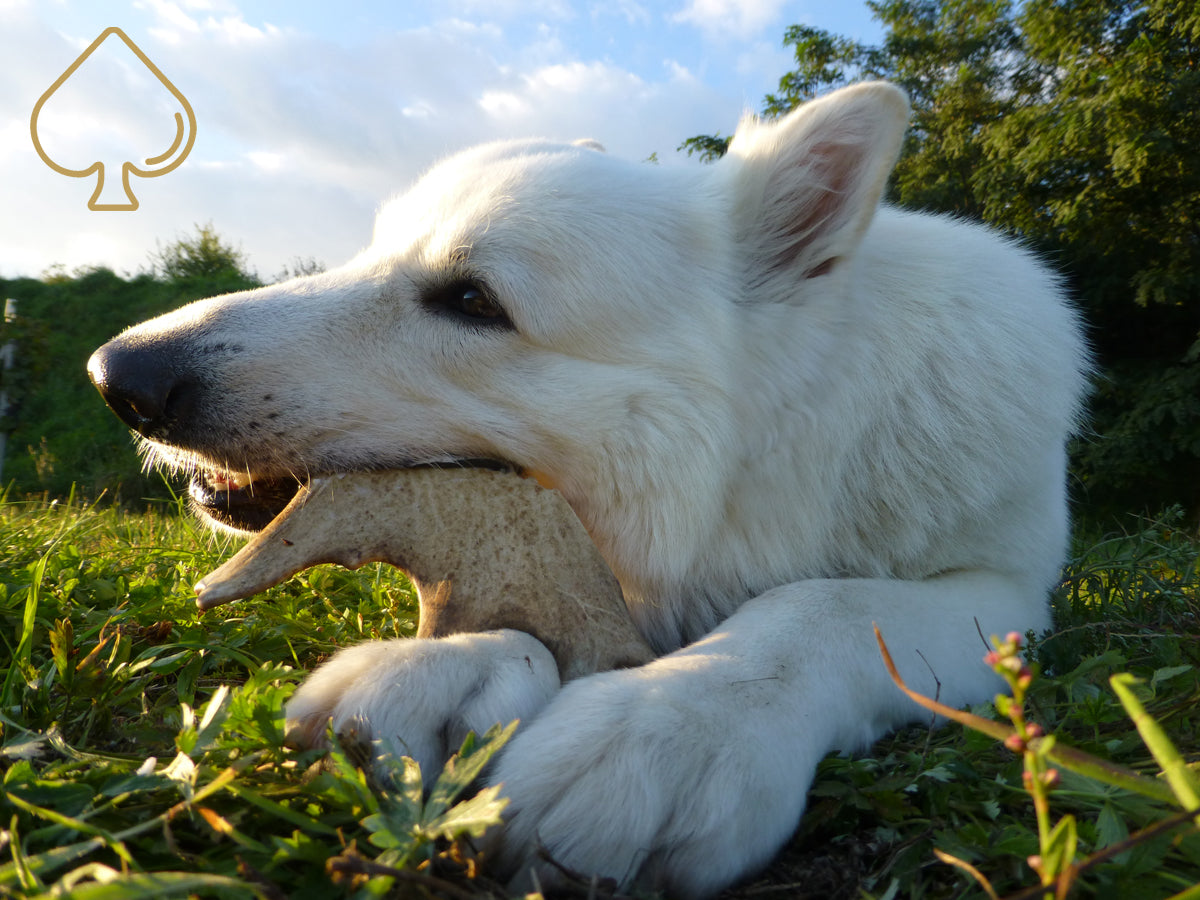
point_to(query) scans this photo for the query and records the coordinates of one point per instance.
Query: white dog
(783, 413)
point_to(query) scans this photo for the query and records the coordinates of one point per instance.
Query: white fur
(426, 695)
(782, 414)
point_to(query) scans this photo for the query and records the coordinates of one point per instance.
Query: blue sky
(310, 114)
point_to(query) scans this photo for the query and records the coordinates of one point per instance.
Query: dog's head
(540, 305)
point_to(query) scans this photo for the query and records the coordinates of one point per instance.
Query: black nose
(142, 384)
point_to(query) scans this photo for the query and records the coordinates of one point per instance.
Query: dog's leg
(425, 695)
(691, 771)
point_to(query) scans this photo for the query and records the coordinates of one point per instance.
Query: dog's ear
(809, 183)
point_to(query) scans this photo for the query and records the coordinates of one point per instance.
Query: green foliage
(301, 266)
(142, 748)
(825, 61)
(108, 664)
(1074, 124)
(408, 823)
(707, 147)
(205, 256)
(60, 433)
(1128, 603)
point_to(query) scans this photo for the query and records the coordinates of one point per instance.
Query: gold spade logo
(177, 136)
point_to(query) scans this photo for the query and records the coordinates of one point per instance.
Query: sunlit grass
(109, 665)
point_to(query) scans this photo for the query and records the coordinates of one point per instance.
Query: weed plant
(1128, 603)
(142, 745)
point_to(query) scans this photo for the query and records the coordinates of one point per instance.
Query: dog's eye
(478, 305)
(470, 301)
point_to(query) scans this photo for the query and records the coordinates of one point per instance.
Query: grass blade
(110, 884)
(1183, 783)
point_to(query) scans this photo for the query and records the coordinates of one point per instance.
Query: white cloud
(582, 78)
(504, 104)
(737, 18)
(678, 71)
(173, 23)
(268, 162)
(632, 12)
(235, 30)
(300, 134)
(421, 109)
(764, 62)
(505, 10)
(210, 6)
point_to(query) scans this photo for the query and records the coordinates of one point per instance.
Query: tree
(301, 266)
(708, 147)
(205, 256)
(1075, 125)
(1106, 157)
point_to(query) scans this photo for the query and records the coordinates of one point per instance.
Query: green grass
(106, 664)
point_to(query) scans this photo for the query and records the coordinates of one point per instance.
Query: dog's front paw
(424, 695)
(638, 776)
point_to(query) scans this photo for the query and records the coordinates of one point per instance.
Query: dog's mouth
(246, 502)
(238, 500)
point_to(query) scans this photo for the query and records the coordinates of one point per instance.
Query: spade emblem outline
(185, 133)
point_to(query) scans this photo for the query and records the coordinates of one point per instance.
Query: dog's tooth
(227, 481)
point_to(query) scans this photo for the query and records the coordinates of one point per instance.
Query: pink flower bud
(1014, 665)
